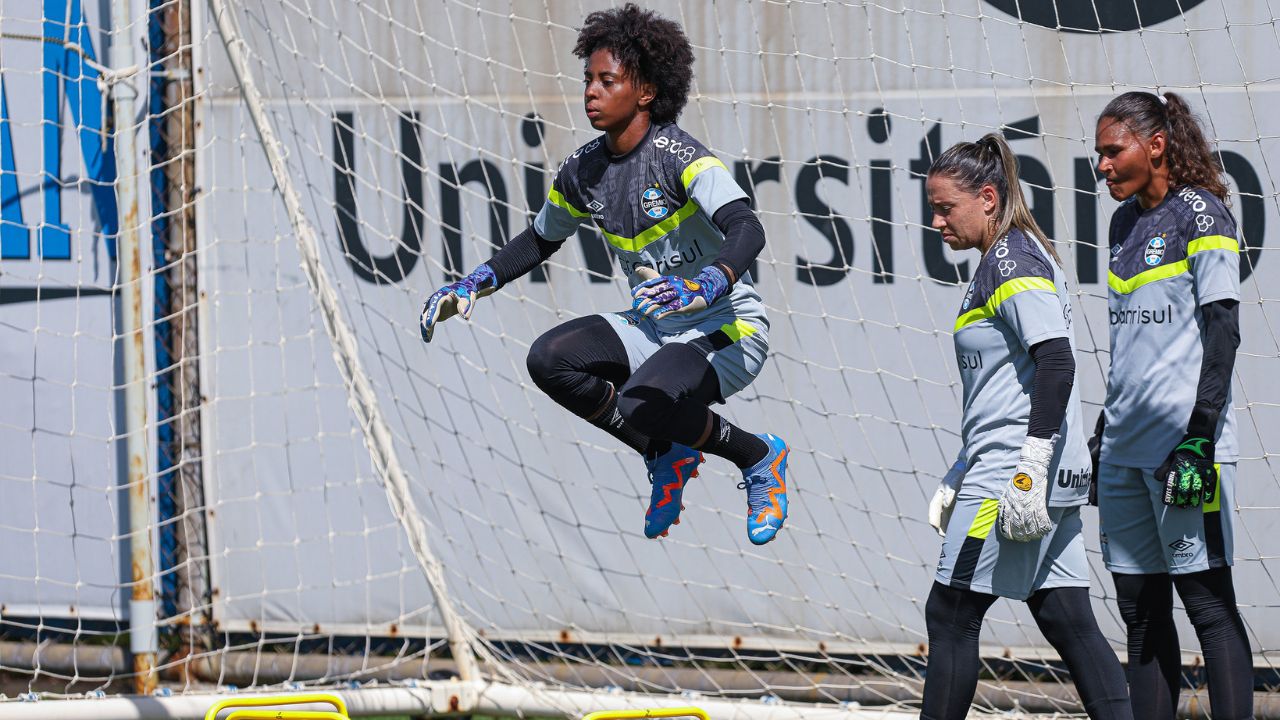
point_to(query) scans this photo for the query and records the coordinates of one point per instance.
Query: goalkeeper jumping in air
(685, 236)
(1024, 467)
(1166, 477)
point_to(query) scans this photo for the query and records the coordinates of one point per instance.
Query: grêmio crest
(1091, 16)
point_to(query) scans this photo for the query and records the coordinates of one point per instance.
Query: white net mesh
(420, 136)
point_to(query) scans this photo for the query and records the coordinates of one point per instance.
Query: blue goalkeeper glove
(457, 298)
(662, 295)
(1188, 474)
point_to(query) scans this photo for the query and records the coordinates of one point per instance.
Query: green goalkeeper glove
(1188, 473)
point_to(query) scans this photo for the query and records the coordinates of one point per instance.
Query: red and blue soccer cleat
(669, 473)
(766, 486)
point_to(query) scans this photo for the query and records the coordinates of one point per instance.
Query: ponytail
(990, 161)
(1190, 157)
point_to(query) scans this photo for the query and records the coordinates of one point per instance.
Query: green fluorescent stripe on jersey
(1213, 242)
(697, 166)
(558, 200)
(985, 519)
(638, 242)
(1164, 272)
(1002, 293)
(738, 329)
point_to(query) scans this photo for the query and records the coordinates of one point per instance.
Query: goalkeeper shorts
(735, 347)
(975, 556)
(1140, 535)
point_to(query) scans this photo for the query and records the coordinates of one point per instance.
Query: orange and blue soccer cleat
(766, 486)
(669, 473)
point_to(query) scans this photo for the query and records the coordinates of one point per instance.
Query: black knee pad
(1144, 599)
(544, 364)
(952, 614)
(1210, 600)
(571, 363)
(1062, 613)
(646, 408)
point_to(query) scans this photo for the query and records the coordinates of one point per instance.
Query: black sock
(733, 443)
(608, 418)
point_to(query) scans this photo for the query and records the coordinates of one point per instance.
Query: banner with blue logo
(60, 428)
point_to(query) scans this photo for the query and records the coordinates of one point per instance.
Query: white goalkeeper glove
(1024, 506)
(944, 498)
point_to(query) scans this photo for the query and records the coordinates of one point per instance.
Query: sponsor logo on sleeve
(1192, 198)
(684, 151)
(1006, 265)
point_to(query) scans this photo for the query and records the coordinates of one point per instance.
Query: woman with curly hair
(1167, 441)
(684, 234)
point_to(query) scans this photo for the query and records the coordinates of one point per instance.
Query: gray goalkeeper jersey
(1165, 263)
(654, 207)
(1018, 298)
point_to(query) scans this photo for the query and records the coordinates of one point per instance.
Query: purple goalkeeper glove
(456, 298)
(662, 295)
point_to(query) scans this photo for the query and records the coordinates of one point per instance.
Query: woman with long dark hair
(1168, 451)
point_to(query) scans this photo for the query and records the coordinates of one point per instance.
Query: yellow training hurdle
(650, 713)
(269, 714)
(267, 707)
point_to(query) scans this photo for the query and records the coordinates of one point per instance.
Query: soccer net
(358, 507)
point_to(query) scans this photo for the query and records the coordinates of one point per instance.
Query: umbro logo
(595, 206)
(1182, 545)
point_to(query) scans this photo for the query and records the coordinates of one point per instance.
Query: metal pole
(142, 604)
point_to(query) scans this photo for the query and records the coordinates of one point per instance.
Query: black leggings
(1155, 661)
(583, 365)
(954, 621)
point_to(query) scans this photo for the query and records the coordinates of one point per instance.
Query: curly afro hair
(647, 44)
